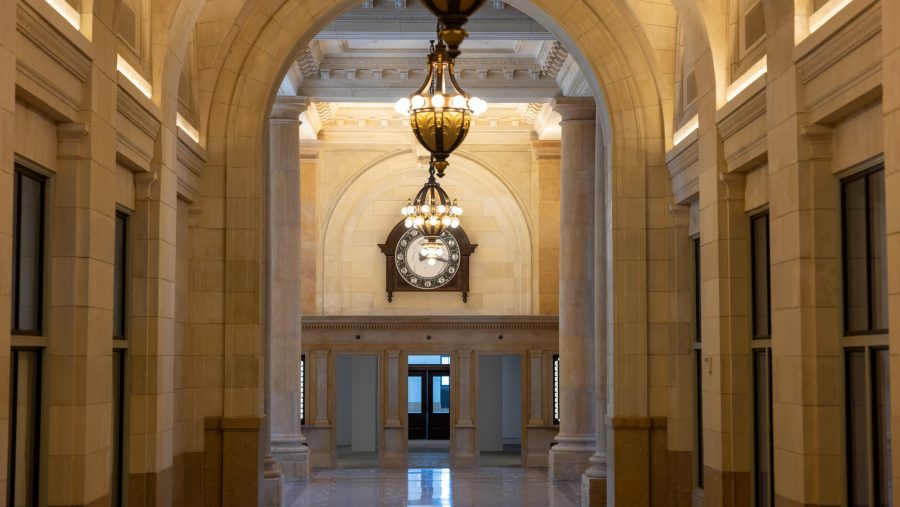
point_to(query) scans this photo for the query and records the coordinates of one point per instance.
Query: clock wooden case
(411, 273)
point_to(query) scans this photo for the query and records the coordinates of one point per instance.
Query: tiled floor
(465, 487)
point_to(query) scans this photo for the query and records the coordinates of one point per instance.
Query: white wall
(490, 403)
(512, 400)
(357, 401)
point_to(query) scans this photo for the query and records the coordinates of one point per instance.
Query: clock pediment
(407, 271)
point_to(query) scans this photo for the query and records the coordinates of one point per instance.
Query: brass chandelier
(432, 212)
(440, 110)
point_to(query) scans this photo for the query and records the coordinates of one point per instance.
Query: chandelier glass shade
(431, 211)
(440, 110)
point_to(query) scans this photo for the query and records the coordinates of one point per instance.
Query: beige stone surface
(826, 107)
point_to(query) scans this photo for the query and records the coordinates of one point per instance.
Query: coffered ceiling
(375, 53)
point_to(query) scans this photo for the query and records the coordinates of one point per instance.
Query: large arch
(352, 206)
(634, 105)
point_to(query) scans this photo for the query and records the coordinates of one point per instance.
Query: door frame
(380, 387)
(523, 396)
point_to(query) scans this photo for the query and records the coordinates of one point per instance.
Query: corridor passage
(513, 487)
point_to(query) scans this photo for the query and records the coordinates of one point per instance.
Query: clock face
(414, 267)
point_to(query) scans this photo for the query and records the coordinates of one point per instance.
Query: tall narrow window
(302, 389)
(119, 291)
(865, 254)
(24, 427)
(857, 434)
(28, 247)
(698, 369)
(556, 389)
(759, 253)
(118, 430)
(762, 409)
(120, 356)
(881, 426)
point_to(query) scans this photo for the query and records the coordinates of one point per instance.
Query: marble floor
(519, 487)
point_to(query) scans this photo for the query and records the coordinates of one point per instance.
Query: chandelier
(431, 211)
(453, 14)
(440, 110)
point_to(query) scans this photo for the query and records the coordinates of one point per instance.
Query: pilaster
(393, 445)
(464, 449)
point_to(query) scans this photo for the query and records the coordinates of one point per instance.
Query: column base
(570, 458)
(593, 491)
(293, 457)
(273, 490)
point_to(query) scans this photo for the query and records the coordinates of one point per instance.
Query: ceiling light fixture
(452, 15)
(431, 211)
(440, 110)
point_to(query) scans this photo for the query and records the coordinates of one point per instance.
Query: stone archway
(632, 95)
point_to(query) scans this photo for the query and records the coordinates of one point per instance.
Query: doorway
(357, 410)
(428, 411)
(500, 410)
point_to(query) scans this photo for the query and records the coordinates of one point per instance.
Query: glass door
(416, 405)
(439, 405)
(428, 403)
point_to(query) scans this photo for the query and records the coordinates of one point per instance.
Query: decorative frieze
(345, 323)
(851, 37)
(55, 45)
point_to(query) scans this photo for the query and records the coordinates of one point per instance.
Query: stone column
(593, 482)
(464, 451)
(394, 434)
(288, 445)
(576, 439)
(890, 21)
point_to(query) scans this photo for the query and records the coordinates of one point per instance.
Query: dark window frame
(119, 477)
(699, 463)
(845, 268)
(121, 332)
(13, 416)
(303, 399)
(767, 352)
(21, 171)
(554, 365)
(755, 332)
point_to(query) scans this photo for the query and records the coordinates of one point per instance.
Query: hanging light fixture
(431, 211)
(452, 15)
(440, 110)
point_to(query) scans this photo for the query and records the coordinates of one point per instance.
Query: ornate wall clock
(409, 271)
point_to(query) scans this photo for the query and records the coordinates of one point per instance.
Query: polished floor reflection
(433, 486)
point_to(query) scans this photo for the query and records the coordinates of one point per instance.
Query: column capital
(575, 108)
(546, 150)
(288, 108)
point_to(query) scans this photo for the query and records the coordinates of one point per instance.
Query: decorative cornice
(54, 44)
(684, 158)
(52, 87)
(342, 323)
(137, 114)
(308, 61)
(554, 59)
(532, 111)
(749, 111)
(852, 36)
(325, 112)
(190, 155)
